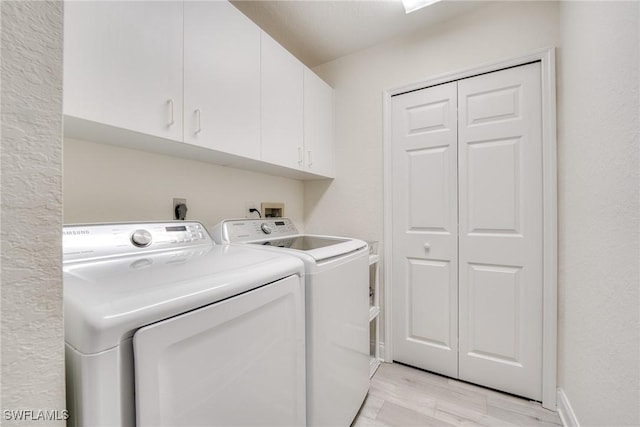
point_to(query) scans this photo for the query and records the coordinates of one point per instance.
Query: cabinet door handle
(310, 158)
(427, 246)
(171, 119)
(300, 156)
(198, 122)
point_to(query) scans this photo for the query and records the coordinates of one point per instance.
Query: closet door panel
(425, 229)
(500, 230)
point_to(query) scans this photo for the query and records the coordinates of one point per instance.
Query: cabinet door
(282, 105)
(318, 125)
(221, 79)
(123, 65)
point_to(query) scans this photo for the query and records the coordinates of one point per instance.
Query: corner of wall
(565, 411)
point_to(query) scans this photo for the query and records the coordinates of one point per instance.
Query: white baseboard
(567, 416)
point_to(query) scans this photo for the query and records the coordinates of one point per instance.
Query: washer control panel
(245, 230)
(81, 242)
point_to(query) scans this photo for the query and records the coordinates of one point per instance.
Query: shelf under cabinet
(87, 130)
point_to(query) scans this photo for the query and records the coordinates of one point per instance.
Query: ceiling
(319, 31)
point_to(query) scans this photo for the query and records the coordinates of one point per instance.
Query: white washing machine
(164, 328)
(337, 311)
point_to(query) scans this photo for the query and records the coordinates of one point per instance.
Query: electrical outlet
(177, 202)
(247, 209)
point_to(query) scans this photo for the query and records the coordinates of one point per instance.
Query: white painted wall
(32, 373)
(104, 183)
(598, 174)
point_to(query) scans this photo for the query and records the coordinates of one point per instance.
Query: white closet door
(425, 247)
(500, 230)
(238, 362)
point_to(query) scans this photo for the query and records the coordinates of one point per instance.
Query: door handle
(171, 118)
(427, 246)
(300, 156)
(198, 122)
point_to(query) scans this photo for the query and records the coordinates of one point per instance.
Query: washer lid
(106, 300)
(281, 232)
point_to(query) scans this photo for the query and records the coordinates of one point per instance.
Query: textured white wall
(105, 183)
(31, 308)
(598, 174)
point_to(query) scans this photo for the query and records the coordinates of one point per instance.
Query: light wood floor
(403, 396)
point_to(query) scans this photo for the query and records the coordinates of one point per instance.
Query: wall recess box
(272, 209)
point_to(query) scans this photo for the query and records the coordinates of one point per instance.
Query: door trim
(546, 57)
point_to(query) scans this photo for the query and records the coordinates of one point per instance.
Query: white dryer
(164, 328)
(337, 311)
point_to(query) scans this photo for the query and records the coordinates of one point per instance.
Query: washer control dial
(141, 238)
(266, 229)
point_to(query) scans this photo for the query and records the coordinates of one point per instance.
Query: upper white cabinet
(221, 78)
(282, 106)
(297, 113)
(318, 125)
(123, 65)
(193, 79)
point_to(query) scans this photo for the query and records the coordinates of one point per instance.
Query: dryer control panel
(93, 241)
(246, 230)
